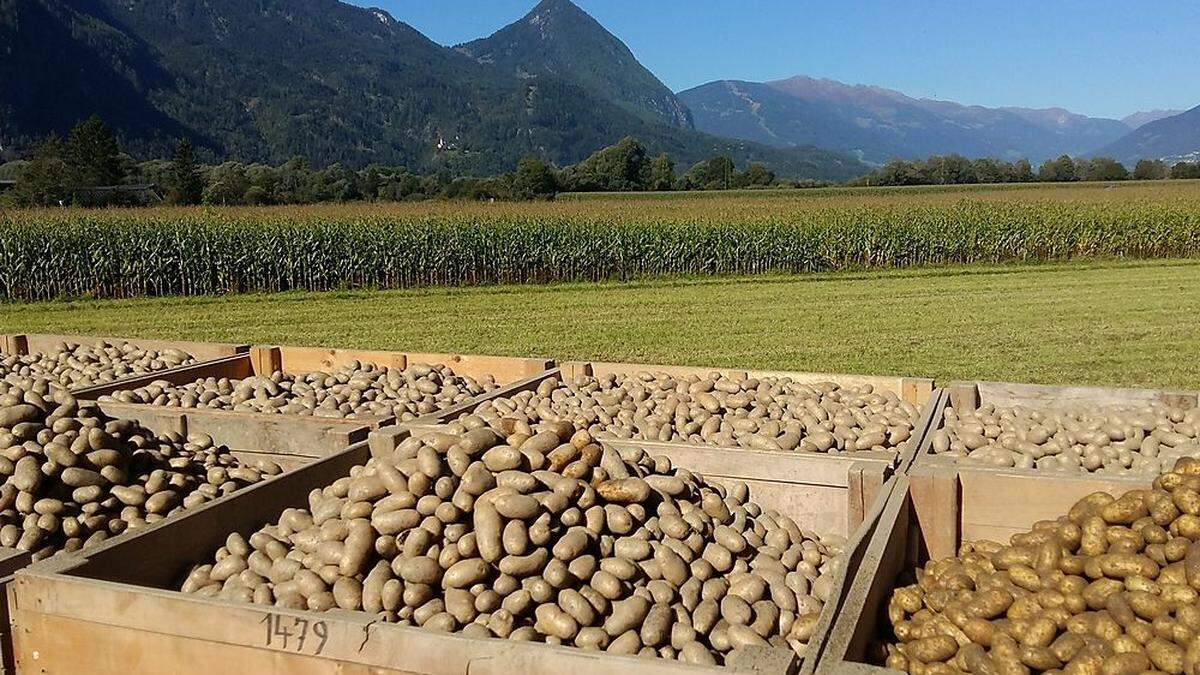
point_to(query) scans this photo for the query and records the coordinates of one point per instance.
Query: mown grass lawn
(1111, 324)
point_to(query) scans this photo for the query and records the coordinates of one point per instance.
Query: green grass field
(1102, 323)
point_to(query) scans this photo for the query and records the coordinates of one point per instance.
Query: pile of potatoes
(1107, 440)
(354, 391)
(73, 477)
(1109, 588)
(76, 365)
(545, 537)
(758, 413)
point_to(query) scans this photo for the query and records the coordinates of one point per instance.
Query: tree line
(959, 170)
(88, 168)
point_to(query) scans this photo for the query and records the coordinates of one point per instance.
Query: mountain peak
(1144, 117)
(1172, 138)
(557, 39)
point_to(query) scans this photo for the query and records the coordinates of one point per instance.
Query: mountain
(1144, 117)
(558, 38)
(878, 124)
(1175, 138)
(269, 79)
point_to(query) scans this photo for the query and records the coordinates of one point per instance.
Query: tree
(40, 182)
(1150, 169)
(1186, 170)
(1058, 170)
(715, 174)
(1023, 171)
(92, 155)
(186, 186)
(534, 179)
(662, 173)
(622, 167)
(756, 175)
(1103, 168)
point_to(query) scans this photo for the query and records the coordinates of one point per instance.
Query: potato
(353, 391)
(612, 551)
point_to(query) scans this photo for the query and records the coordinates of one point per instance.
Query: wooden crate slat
(915, 390)
(42, 342)
(234, 367)
(270, 358)
(1039, 395)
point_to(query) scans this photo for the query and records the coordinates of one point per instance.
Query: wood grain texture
(915, 390)
(42, 342)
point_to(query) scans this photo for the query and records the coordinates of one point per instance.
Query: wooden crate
(915, 390)
(287, 436)
(912, 529)
(32, 343)
(1006, 500)
(117, 605)
(206, 353)
(12, 561)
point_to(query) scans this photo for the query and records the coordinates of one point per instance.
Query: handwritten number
(299, 628)
(322, 632)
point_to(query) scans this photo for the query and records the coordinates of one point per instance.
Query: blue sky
(1098, 58)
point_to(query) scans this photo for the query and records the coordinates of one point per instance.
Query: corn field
(155, 252)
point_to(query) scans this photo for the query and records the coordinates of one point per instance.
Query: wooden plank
(328, 359)
(11, 561)
(935, 500)
(288, 359)
(260, 432)
(192, 625)
(911, 389)
(44, 342)
(997, 504)
(922, 434)
(59, 643)
(1036, 395)
(817, 468)
(855, 551)
(872, 577)
(236, 367)
(505, 369)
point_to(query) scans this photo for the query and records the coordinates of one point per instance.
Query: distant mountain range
(263, 80)
(877, 124)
